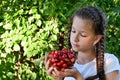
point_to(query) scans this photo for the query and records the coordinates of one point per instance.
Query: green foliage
(29, 29)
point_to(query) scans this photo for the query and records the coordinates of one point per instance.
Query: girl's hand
(58, 75)
(73, 72)
(50, 70)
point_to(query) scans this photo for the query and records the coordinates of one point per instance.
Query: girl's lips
(75, 45)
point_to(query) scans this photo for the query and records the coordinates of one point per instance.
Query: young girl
(87, 39)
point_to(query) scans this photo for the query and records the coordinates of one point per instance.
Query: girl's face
(82, 36)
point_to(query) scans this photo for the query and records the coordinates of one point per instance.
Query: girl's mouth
(75, 45)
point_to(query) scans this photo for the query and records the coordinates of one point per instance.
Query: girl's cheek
(71, 38)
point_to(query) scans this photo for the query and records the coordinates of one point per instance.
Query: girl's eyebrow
(83, 32)
(80, 30)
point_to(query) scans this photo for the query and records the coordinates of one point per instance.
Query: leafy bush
(29, 29)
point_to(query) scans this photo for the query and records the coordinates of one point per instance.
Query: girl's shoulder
(110, 59)
(111, 63)
(110, 56)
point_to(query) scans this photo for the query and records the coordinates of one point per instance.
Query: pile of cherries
(61, 59)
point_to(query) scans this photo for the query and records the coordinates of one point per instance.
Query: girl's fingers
(68, 70)
(58, 73)
(47, 65)
(55, 69)
(46, 58)
(72, 69)
(46, 62)
(49, 71)
(53, 72)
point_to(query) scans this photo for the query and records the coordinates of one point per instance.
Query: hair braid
(100, 59)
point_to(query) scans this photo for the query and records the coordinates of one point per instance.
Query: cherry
(64, 65)
(54, 64)
(61, 59)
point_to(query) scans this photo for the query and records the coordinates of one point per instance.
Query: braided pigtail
(100, 59)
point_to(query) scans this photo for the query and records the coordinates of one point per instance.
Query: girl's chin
(75, 49)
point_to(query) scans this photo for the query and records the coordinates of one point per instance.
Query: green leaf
(23, 43)
(16, 47)
(30, 19)
(20, 11)
(37, 62)
(39, 23)
(8, 26)
(3, 55)
(54, 37)
(34, 75)
(36, 16)
(7, 49)
(32, 11)
(17, 22)
(1, 23)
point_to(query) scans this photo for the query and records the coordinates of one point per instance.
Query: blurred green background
(30, 28)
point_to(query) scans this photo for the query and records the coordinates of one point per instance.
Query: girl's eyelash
(83, 35)
(80, 33)
(73, 31)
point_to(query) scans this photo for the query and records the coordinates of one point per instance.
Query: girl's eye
(83, 35)
(73, 31)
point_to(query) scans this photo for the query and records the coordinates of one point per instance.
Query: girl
(87, 39)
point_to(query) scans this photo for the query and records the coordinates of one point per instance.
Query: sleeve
(69, 78)
(112, 64)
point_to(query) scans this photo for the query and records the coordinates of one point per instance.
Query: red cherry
(52, 60)
(58, 64)
(64, 65)
(64, 50)
(52, 52)
(50, 56)
(62, 69)
(54, 64)
(64, 56)
(71, 56)
(56, 60)
(66, 60)
(55, 55)
(56, 52)
(60, 57)
(61, 61)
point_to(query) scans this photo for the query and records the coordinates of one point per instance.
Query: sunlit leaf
(33, 10)
(8, 26)
(39, 23)
(16, 47)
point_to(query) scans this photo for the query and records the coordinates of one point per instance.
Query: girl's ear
(97, 39)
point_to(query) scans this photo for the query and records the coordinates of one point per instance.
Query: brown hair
(98, 18)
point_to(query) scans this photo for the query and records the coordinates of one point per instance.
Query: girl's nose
(76, 38)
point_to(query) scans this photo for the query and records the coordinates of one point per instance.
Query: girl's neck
(84, 58)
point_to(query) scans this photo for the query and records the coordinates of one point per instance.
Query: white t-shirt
(89, 69)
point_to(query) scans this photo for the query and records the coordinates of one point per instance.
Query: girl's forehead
(82, 23)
